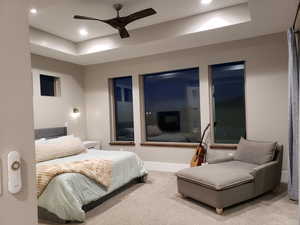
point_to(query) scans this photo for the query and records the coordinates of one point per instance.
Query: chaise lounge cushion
(255, 152)
(219, 176)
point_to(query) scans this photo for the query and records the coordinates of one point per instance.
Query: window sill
(127, 143)
(223, 147)
(170, 144)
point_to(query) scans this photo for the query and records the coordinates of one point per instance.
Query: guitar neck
(203, 135)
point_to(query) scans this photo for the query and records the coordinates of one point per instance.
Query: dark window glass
(127, 95)
(118, 94)
(48, 85)
(172, 106)
(228, 88)
(123, 108)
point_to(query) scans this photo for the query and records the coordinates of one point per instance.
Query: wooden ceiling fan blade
(124, 33)
(139, 15)
(85, 18)
(120, 23)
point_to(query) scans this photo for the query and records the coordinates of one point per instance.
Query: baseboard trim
(175, 167)
(164, 166)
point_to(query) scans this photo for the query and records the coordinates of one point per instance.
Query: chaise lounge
(254, 170)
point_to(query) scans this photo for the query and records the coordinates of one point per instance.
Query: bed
(68, 196)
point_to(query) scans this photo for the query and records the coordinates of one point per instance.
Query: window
(228, 98)
(123, 108)
(49, 85)
(172, 106)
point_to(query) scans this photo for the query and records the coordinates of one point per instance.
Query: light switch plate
(14, 172)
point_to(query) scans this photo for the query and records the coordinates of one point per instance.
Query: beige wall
(266, 90)
(16, 116)
(56, 111)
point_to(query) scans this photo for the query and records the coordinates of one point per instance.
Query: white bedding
(67, 193)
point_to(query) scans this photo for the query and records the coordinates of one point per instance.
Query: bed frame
(43, 214)
(50, 133)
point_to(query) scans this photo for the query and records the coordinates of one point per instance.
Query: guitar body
(199, 156)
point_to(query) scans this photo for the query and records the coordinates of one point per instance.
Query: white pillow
(58, 148)
(40, 140)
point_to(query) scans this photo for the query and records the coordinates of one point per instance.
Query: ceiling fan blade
(139, 15)
(85, 18)
(124, 33)
(120, 23)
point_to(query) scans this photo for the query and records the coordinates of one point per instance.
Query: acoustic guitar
(200, 153)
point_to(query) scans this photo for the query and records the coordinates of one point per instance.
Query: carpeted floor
(157, 203)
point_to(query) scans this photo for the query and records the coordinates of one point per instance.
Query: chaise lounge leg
(219, 211)
(143, 179)
(277, 189)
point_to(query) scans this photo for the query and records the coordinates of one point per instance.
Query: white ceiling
(184, 24)
(56, 16)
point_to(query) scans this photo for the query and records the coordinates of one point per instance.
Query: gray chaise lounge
(254, 170)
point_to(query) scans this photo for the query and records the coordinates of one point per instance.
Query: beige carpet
(157, 203)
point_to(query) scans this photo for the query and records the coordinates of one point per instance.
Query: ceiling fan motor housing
(118, 6)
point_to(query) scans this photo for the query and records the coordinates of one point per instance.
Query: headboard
(50, 132)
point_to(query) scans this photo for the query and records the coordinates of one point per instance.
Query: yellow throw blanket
(98, 170)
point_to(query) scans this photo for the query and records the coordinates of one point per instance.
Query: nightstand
(91, 144)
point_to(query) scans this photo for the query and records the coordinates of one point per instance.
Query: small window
(123, 109)
(228, 102)
(172, 106)
(49, 85)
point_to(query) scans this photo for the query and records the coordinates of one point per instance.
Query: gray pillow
(255, 152)
(153, 131)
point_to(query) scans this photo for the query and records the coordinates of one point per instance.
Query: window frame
(144, 141)
(213, 144)
(112, 109)
(57, 86)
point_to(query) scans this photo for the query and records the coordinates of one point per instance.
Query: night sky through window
(229, 102)
(172, 106)
(123, 108)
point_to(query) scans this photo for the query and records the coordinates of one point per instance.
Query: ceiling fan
(119, 22)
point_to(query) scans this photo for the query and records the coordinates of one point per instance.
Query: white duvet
(67, 193)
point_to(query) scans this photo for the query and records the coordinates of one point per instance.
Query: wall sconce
(75, 113)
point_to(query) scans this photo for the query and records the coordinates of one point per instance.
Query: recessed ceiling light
(206, 2)
(83, 32)
(33, 11)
